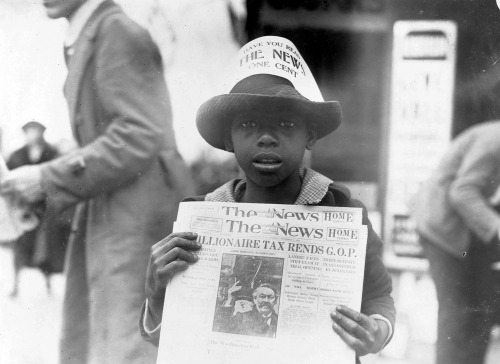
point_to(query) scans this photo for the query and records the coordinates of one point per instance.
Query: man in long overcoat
(127, 178)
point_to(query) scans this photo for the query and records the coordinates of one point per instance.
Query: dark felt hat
(245, 293)
(265, 92)
(33, 124)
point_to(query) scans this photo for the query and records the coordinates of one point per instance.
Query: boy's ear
(312, 136)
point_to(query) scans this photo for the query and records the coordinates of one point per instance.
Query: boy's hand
(362, 333)
(169, 256)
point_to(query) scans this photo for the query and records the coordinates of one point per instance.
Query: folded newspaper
(267, 279)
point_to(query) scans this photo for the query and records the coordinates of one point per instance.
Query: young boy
(268, 125)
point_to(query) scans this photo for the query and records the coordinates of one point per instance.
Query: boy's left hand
(360, 332)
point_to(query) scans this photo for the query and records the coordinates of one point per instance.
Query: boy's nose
(266, 139)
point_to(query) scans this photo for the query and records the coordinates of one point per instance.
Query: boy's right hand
(169, 256)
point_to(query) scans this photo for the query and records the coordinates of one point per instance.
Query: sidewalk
(30, 323)
(414, 341)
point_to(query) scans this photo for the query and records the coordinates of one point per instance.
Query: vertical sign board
(423, 73)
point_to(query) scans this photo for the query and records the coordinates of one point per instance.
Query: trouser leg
(448, 274)
(15, 285)
(75, 325)
(481, 305)
(464, 290)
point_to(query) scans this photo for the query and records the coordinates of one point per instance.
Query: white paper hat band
(277, 56)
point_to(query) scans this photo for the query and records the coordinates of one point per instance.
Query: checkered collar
(313, 190)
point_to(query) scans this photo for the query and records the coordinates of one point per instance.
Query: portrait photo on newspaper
(248, 295)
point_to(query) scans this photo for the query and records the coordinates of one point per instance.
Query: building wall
(348, 49)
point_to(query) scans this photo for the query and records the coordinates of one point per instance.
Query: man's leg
(23, 254)
(15, 286)
(47, 283)
(75, 325)
(482, 305)
(448, 274)
(116, 296)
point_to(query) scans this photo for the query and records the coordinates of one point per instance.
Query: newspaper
(265, 285)
(314, 214)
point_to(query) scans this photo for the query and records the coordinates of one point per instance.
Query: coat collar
(315, 188)
(80, 53)
(79, 19)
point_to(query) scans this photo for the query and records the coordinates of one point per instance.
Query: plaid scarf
(313, 190)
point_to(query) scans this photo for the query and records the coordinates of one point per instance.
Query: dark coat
(244, 323)
(45, 246)
(253, 323)
(453, 206)
(377, 284)
(21, 156)
(127, 178)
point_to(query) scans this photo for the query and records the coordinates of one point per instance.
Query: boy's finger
(352, 327)
(181, 242)
(185, 241)
(345, 336)
(351, 341)
(356, 316)
(184, 235)
(177, 254)
(173, 267)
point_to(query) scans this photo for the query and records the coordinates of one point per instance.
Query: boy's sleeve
(148, 332)
(377, 284)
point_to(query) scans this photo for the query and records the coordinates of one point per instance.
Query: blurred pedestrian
(459, 230)
(127, 172)
(35, 151)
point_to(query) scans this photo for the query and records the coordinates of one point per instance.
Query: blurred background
(409, 74)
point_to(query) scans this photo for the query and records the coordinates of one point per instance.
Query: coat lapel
(81, 52)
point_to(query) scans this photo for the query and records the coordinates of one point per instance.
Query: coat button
(70, 51)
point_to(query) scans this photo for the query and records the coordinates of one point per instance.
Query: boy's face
(270, 146)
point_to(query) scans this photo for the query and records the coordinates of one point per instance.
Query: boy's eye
(287, 124)
(248, 124)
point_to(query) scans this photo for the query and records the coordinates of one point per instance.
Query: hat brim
(214, 114)
(246, 298)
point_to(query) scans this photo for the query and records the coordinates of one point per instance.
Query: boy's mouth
(267, 162)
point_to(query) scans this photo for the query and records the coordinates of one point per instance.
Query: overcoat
(253, 323)
(127, 179)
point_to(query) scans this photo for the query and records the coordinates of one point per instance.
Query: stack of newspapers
(267, 279)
